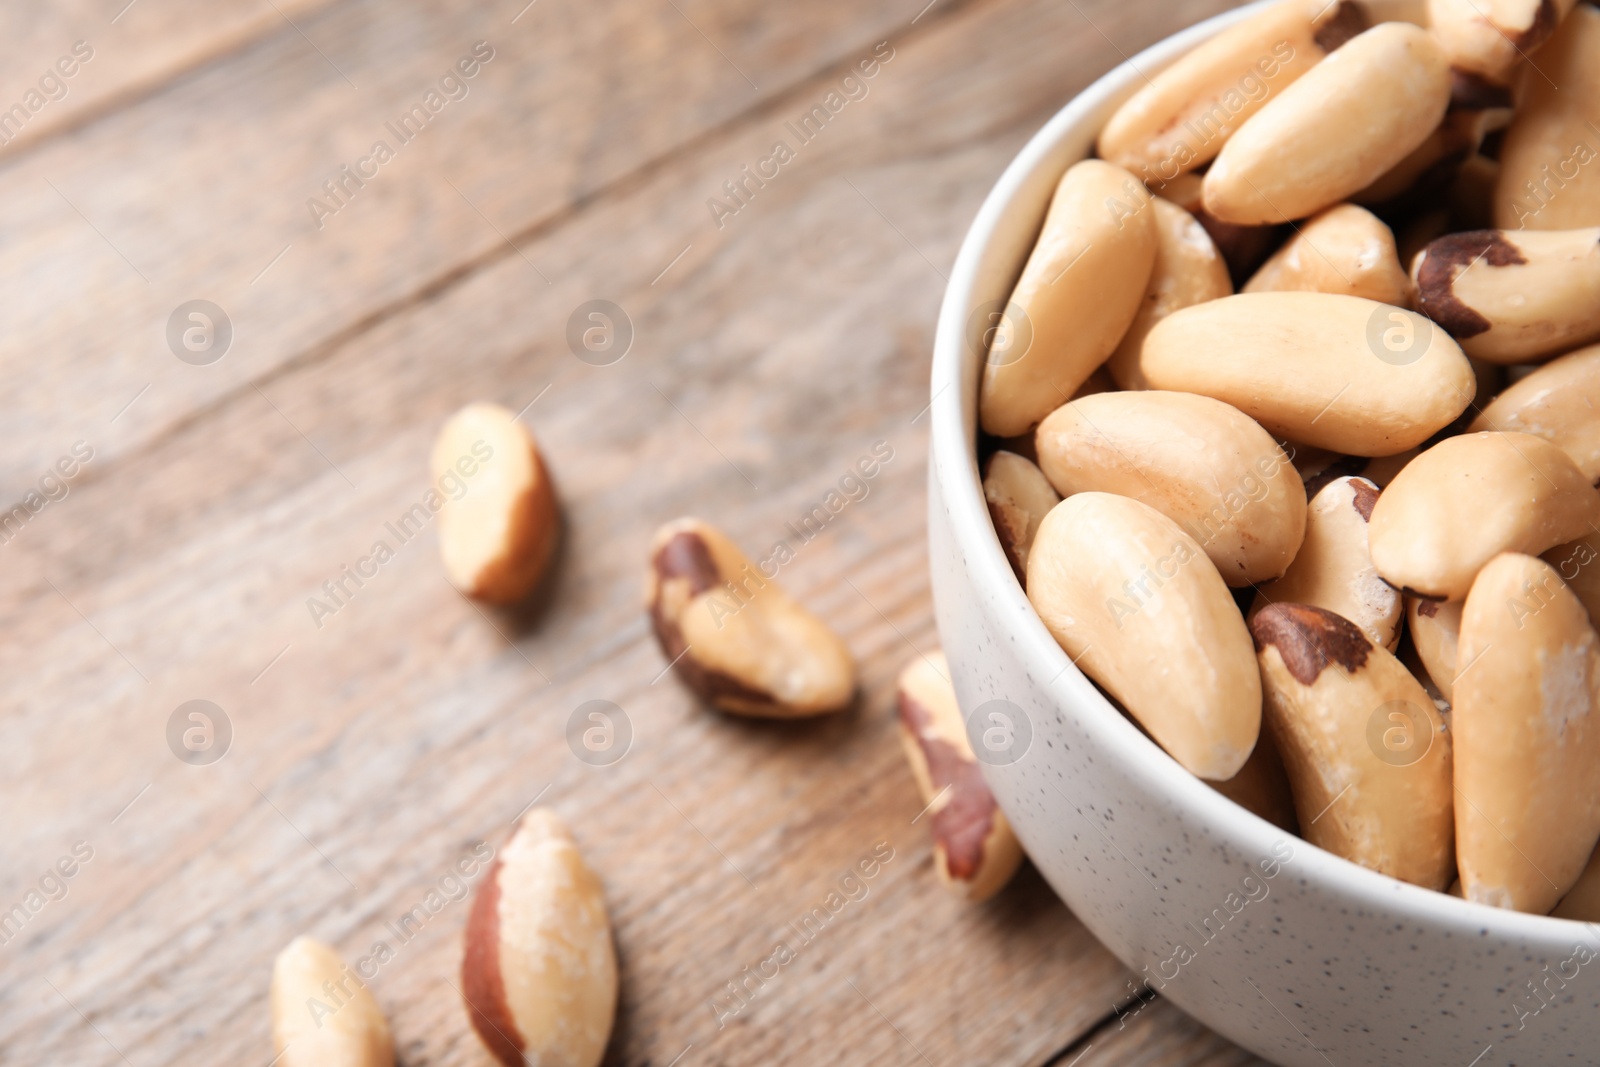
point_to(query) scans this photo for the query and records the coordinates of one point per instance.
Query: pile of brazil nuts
(1290, 429)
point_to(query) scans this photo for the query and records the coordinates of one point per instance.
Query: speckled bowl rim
(953, 411)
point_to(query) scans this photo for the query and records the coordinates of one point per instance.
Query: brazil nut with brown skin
(1366, 751)
(1513, 296)
(1141, 610)
(1527, 724)
(975, 850)
(1490, 37)
(1333, 569)
(1468, 499)
(733, 636)
(538, 968)
(1203, 464)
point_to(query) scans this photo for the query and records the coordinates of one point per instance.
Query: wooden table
(370, 748)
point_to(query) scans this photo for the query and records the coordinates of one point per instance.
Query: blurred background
(254, 254)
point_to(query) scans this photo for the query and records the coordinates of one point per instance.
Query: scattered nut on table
(538, 970)
(322, 1013)
(975, 850)
(499, 523)
(733, 636)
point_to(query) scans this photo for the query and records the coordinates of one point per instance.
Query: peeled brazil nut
(1435, 628)
(974, 848)
(1333, 132)
(1549, 170)
(1333, 569)
(1080, 289)
(733, 636)
(1336, 372)
(499, 522)
(1367, 753)
(1202, 464)
(1490, 37)
(1188, 270)
(1527, 725)
(1513, 297)
(1345, 249)
(1019, 498)
(322, 1014)
(539, 973)
(1468, 499)
(1559, 402)
(1183, 115)
(1142, 611)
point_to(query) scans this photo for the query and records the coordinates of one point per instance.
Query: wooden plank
(73, 61)
(203, 191)
(372, 753)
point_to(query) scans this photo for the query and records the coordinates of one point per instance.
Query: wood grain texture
(202, 191)
(372, 751)
(133, 48)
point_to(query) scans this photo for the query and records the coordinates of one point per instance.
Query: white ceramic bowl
(1322, 963)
